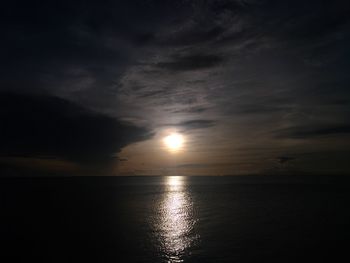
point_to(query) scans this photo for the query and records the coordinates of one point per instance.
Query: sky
(254, 87)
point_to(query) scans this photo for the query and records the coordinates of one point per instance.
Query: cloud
(284, 159)
(196, 124)
(191, 110)
(39, 126)
(261, 108)
(191, 62)
(306, 132)
(152, 93)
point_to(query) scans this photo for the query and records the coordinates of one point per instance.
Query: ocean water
(175, 219)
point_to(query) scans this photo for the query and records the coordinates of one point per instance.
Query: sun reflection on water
(176, 220)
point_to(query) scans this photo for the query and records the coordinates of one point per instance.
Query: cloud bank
(50, 127)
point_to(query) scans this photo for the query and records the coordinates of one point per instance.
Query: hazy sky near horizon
(254, 87)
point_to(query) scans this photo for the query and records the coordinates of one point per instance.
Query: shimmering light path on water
(176, 220)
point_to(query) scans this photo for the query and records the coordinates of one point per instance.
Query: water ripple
(175, 221)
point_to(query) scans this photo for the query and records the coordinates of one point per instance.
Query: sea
(175, 219)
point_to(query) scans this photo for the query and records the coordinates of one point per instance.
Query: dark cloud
(191, 62)
(206, 23)
(198, 35)
(325, 19)
(75, 48)
(261, 108)
(191, 110)
(285, 159)
(153, 93)
(196, 124)
(306, 132)
(37, 126)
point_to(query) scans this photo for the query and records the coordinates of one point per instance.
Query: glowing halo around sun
(174, 142)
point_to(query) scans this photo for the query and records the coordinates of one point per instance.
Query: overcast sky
(255, 87)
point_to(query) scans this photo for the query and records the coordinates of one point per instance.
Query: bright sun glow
(174, 141)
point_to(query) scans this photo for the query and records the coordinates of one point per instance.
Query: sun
(174, 142)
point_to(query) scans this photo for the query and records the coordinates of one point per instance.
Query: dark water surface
(174, 219)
